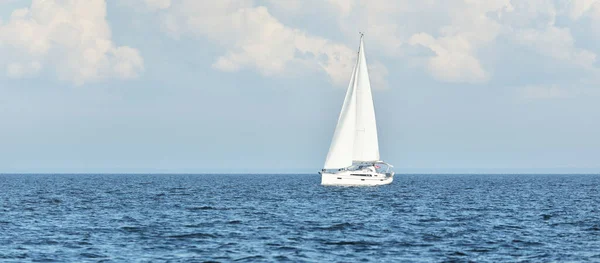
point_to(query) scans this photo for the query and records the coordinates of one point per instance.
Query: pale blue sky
(256, 86)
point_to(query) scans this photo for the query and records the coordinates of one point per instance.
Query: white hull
(355, 178)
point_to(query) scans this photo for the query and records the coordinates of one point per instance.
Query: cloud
(557, 43)
(465, 39)
(454, 31)
(453, 60)
(72, 37)
(18, 70)
(253, 38)
(158, 4)
(461, 33)
(378, 75)
(579, 8)
(470, 27)
(378, 19)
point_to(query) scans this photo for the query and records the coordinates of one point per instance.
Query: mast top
(361, 38)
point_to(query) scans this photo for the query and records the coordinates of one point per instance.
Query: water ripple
(267, 218)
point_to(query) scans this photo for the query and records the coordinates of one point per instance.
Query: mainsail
(355, 137)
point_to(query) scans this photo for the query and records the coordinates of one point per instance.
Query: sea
(292, 218)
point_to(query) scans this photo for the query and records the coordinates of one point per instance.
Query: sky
(256, 86)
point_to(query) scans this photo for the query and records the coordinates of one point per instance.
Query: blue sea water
(267, 218)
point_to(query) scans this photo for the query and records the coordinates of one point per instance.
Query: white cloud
(158, 4)
(557, 43)
(378, 75)
(344, 6)
(461, 35)
(470, 27)
(303, 7)
(126, 62)
(288, 6)
(18, 70)
(456, 31)
(578, 8)
(70, 36)
(453, 60)
(378, 19)
(254, 38)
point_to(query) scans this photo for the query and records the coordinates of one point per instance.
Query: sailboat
(353, 157)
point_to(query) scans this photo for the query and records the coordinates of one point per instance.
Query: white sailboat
(353, 157)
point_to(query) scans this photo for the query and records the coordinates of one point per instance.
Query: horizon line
(289, 173)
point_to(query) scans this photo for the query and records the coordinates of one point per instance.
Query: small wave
(193, 235)
(200, 208)
(546, 217)
(281, 247)
(228, 245)
(251, 258)
(480, 250)
(91, 255)
(576, 223)
(458, 253)
(178, 191)
(44, 260)
(544, 255)
(527, 243)
(13, 256)
(281, 258)
(335, 227)
(234, 222)
(199, 225)
(128, 219)
(54, 201)
(286, 248)
(352, 243)
(431, 237)
(408, 244)
(501, 227)
(594, 228)
(42, 242)
(433, 219)
(132, 229)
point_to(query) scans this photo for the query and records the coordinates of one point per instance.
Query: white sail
(342, 144)
(366, 144)
(355, 136)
